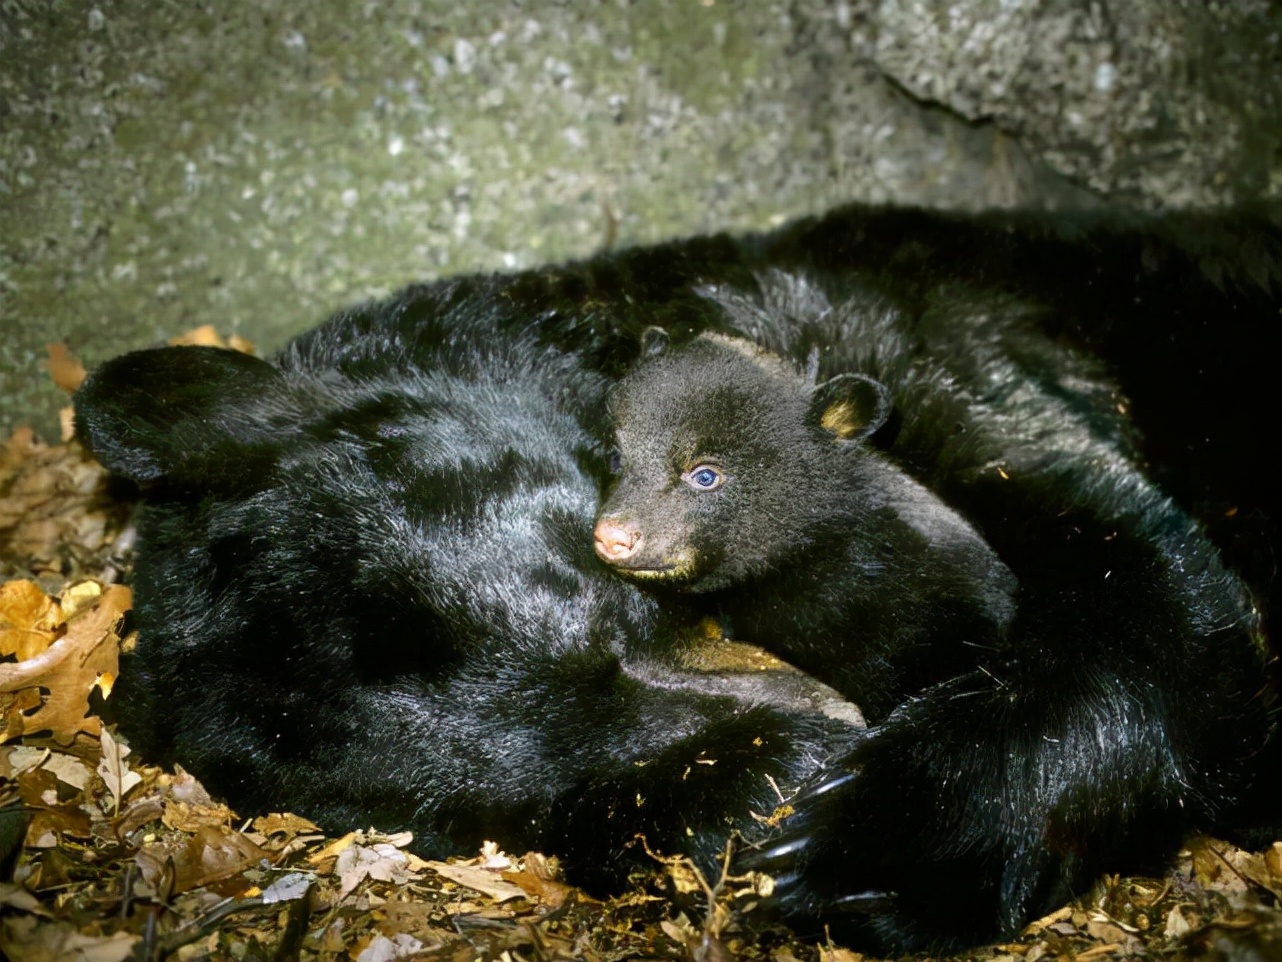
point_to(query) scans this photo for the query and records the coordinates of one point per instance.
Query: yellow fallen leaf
(68, 670)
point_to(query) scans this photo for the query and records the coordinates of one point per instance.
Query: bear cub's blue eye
(703, 478)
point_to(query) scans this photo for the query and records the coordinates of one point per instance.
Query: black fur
(812, 542)
(1068, 697)
(391, 612)
(366, 587)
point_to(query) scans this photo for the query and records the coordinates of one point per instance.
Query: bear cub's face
(727, 462)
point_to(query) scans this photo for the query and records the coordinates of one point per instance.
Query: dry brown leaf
(1107, 948)
(333, 849)
(537, 880)
(66, 424)
(213, 853)
(204, 336)
(834, 953)
(277, 823)
(55, 512)
(1106, 931)
(67, 372)
(68, 670)
(381, 862)
(207, 336)
(1223, 868)
(139, 813)
(29, 619)
(28, 939)
(548, 891)
(50, 817)
(16, 897)
(78, 596)
(69, 769)
(188, 817)
(15, 708)
(114, 770)
(478, 879)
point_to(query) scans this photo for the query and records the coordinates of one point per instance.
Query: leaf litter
(106, 859)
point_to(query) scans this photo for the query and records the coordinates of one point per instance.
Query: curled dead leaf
(56, 514)
(207, 336)
(29, 619)
(63, 674)
(211, 854)
(478, 879)
(188, 817)
(66, 371)
(114, 770)
(36, 940)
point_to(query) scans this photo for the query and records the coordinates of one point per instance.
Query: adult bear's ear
(850, 406)
(193, 416)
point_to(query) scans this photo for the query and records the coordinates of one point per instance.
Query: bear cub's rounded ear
(654, 341)
(850, 406)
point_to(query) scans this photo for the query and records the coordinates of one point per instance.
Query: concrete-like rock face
(254, 164)
(1160, 102)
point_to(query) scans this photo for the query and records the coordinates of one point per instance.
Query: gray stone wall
(257, 163)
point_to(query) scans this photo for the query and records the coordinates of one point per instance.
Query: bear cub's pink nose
(616, 540)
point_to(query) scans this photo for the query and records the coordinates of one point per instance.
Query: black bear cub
(1058, 677)
(738, 476)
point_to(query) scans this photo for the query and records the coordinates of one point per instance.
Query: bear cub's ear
(195, 416)
(654, 341)
(850, 406)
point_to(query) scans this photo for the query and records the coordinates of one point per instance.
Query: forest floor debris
(103, 858)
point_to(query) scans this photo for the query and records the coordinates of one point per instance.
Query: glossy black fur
(814, 545)
(1029, 732)
(366, 593)
(332, 621)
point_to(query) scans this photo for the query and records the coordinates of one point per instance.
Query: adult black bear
(287, 587)
(366, 592)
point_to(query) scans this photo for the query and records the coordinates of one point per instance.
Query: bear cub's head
(729, 461)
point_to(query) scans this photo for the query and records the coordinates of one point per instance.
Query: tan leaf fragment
(140, 812)
(66, 371)
(478, 879)
(334, 848)
(287, 888)
(835, 953)
(114, 771)
(16, 897)
(381, 862)
(50, 819)
(382, 949)
(69, 769)
(207, 336)
(278, 823)
(28, 939)
(537, 880)
(187, 816)
(211, 854)
(55, 507)
(68, 669)
(29, 619)
(78, 596)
